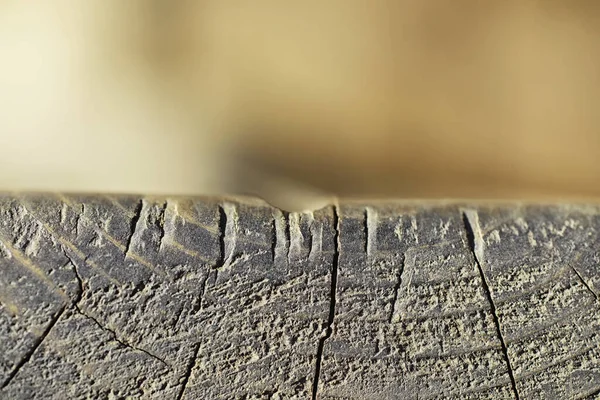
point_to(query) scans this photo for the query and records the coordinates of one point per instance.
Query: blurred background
(297, 102)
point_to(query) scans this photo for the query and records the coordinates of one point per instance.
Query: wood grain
(229, 298)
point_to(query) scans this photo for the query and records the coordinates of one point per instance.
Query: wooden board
(128, 297)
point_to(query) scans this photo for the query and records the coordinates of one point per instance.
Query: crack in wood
(274, 238)
(120, 341)
(161, 224)
(288, 235)
(78, 277)
(588, 287)
(224, 229)
(77, 300)
(332, 304)
(34, 348)
(475, 242)
(397, 288)
(188, 371)
(134, 225)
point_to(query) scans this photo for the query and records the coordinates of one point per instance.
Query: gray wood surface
(127, 297)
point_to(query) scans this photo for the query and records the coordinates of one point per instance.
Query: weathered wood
(114, 297)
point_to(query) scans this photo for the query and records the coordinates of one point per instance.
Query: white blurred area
(82, 110)
(299, 101)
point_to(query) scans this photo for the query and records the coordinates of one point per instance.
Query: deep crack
(133, 224)
(161, 224)
(397, 287)
(311, 236)
(223, 231)
(223, 221)
(79, 295)
(274, 238)
(288, 237)
(188, 371)
(584, 282)
(121, 342)
(475, 242)
(53, 322)
(332, 303)
(367, 250)
(222, 235)
(33, 349)
(77, 300)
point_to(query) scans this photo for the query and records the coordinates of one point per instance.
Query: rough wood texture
(124, 297)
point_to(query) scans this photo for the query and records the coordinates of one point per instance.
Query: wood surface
(228, 298)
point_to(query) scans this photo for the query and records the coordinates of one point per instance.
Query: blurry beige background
(298, 101)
